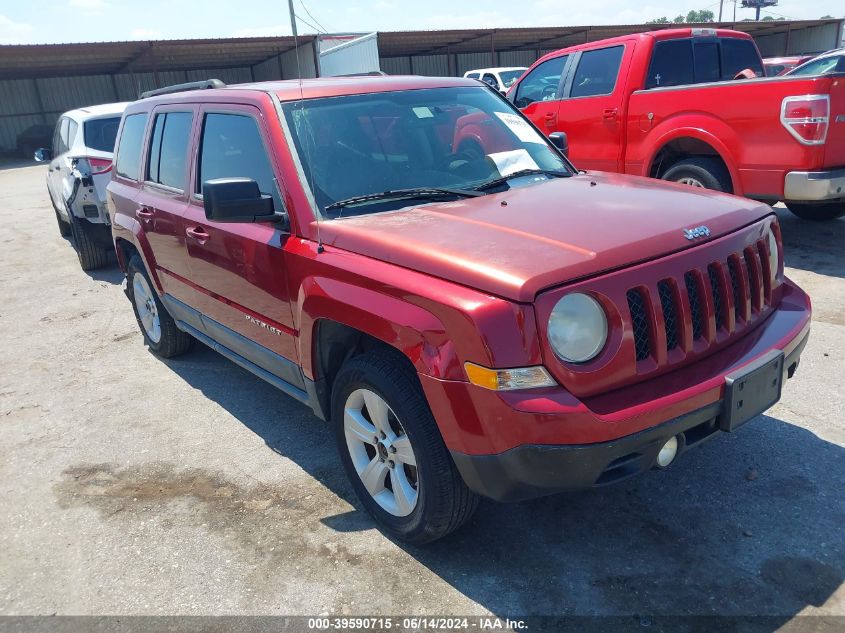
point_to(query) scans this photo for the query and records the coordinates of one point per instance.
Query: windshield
(508, 77)
(832, 64)
(100, 134)
(447, 138)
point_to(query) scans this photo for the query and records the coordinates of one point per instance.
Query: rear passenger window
(169, 149)
(737, 55)
(72, 127)
(671, 64)
(232, 148)
(128, 162)
(597, 72)
(60, 137)
(707, 62)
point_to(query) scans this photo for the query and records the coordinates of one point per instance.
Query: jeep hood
(516, 243)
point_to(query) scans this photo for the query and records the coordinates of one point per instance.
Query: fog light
(668, 452)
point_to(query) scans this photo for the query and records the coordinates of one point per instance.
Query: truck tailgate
(834, 152)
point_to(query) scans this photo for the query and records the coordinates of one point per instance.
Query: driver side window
(542, 83)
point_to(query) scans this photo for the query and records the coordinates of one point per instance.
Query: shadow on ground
(813, 246)
(747, 524)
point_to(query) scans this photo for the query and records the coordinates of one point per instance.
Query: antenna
(320, 248)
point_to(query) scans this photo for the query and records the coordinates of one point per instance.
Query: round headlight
(577, 328)
(773, 253)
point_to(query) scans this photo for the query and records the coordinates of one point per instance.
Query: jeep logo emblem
(699, 231)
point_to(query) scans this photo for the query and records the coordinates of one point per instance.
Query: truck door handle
(610, 113)
(550, 118)
(198, 233)
(144, 214)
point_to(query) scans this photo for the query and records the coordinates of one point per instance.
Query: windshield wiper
(490, 184)
(422, 193)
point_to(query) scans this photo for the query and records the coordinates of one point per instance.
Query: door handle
(198, 233)
(610, 113)
(550, 118)
(143, 214)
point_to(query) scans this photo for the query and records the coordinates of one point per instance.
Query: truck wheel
(91, 256)
(159, 329)
(393, 452)
(700, 171)
(817, 212)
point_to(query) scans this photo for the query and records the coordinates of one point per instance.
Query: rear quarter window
(128, 162)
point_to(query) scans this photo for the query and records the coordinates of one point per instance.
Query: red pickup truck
(676, 104)
(484, 322)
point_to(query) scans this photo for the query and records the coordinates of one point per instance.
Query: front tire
(159, 329)
(392, 450)
(817, 212)
(91, 255)
(700, 171)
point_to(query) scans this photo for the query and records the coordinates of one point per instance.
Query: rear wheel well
(680, 149)
(125, 250)
(334, 344)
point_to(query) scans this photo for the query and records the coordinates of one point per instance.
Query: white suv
(80, 162)
(500, 78)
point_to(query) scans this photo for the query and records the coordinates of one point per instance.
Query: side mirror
(43, 155)
(238, 200)
(560, 141)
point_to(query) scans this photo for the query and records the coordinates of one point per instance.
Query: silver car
(80, 165)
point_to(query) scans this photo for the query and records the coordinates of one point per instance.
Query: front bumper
(531, 471)
(521, 444)
(815, 186)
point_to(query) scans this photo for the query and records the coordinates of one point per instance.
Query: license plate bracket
(751, 390)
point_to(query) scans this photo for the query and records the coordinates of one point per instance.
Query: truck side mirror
(238, 200)
(43, 155)
(560, 141)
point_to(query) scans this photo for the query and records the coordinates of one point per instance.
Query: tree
(704, 15)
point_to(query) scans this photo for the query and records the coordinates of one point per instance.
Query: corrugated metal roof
(96, 58)
(52, 60)
(397, 43)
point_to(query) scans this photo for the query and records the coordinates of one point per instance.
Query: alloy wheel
(145, 304)
(381, 452)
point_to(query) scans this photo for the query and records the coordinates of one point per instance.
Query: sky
(57, 21)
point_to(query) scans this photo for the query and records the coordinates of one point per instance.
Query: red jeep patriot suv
(484, 321)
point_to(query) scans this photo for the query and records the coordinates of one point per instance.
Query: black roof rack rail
(191, 85)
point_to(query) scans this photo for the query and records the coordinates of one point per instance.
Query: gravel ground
(132, 485)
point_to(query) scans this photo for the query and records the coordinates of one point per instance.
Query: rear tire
(64, 227)
(159, 329)
(436, 500)
(700, 171)
(91, 255)
(817, 212)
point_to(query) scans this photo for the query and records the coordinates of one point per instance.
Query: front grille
(733, 286)
(90, 210)
(736, 281)
(670, 319)
(696, 305)
(716, 290)
(639, 321)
